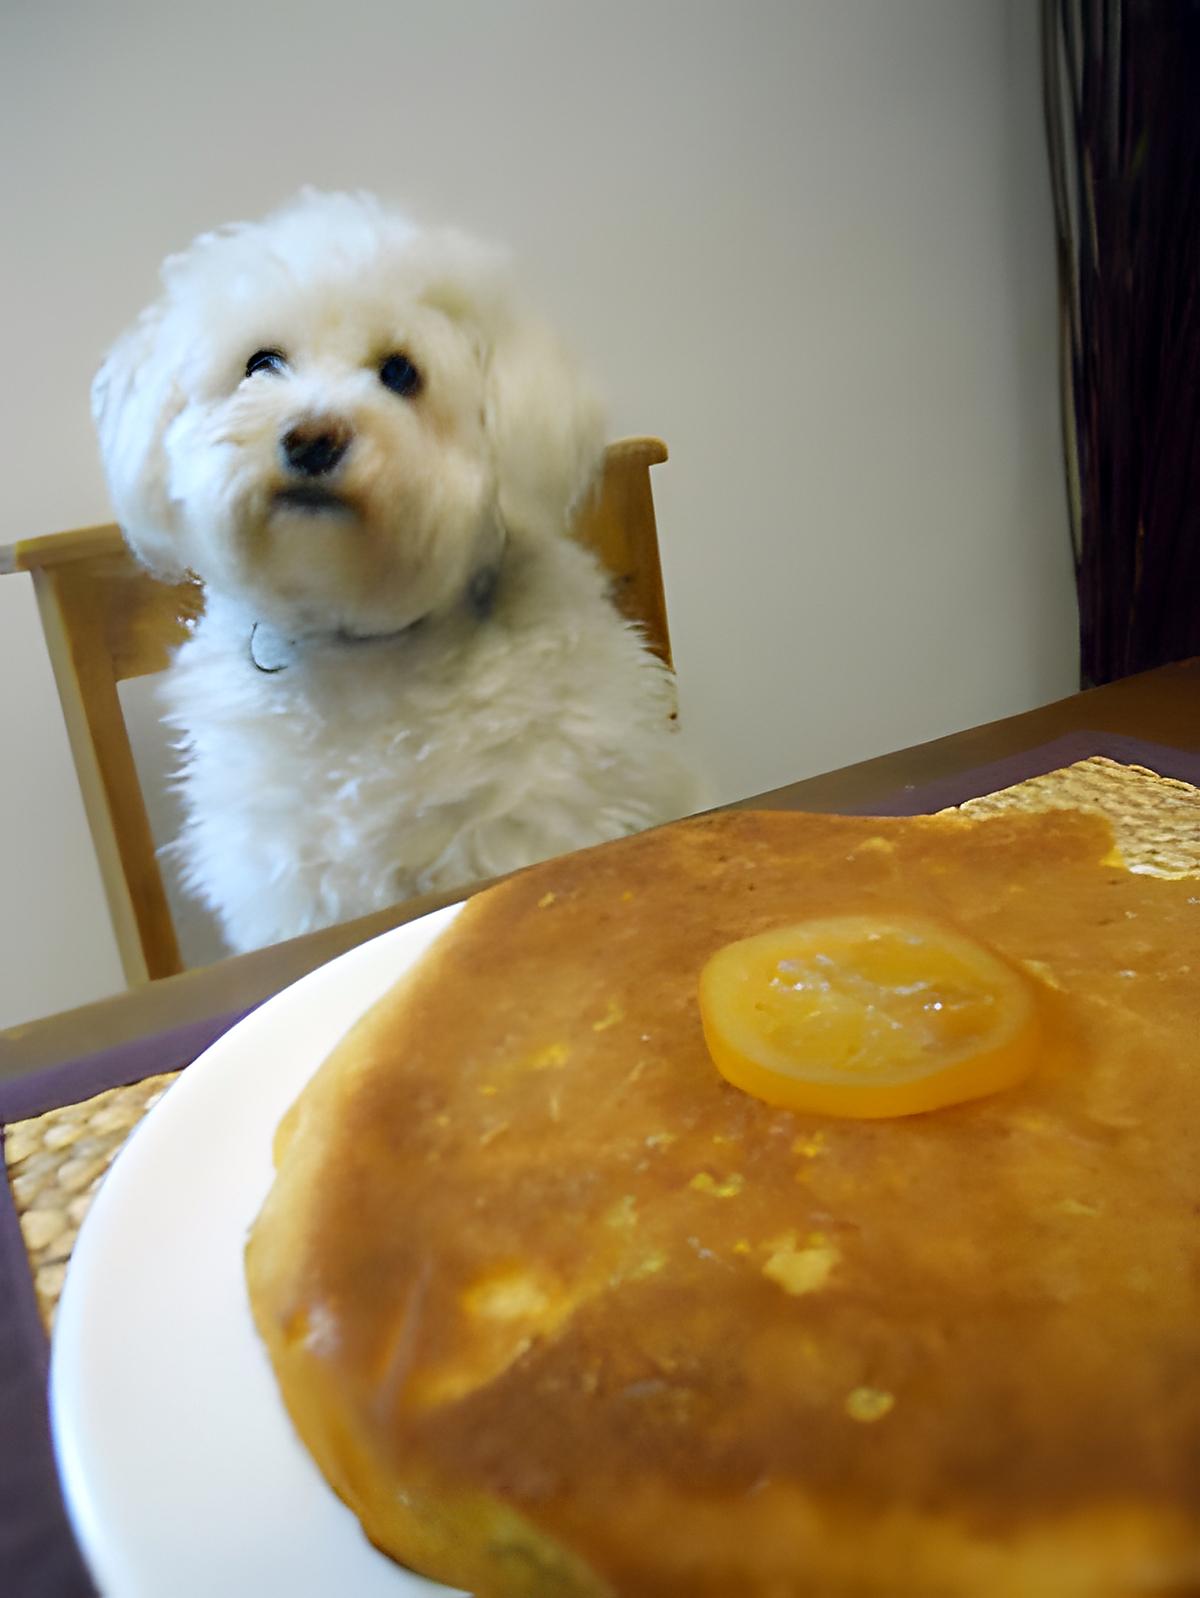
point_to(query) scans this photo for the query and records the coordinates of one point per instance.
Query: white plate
(182, 1474)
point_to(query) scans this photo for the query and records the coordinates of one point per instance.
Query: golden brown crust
(558, 1310)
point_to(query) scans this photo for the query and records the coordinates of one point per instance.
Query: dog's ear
(135, 397)
(546, 426)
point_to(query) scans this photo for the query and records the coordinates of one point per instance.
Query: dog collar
(271, 652)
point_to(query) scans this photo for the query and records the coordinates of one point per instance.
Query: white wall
(807, 242)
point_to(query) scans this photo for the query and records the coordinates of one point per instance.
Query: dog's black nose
(315, 448)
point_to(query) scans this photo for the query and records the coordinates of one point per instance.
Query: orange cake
(559, 1308)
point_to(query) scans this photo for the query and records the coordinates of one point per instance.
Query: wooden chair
(106, 620)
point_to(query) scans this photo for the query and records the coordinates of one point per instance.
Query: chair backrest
(106, 620)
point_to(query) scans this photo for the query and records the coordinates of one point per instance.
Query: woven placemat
(57, 1161)
(1156, 820)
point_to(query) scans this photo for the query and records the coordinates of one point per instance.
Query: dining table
(74, 1085)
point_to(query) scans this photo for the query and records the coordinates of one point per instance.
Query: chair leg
(108, 778)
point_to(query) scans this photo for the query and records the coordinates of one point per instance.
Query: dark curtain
(1122, 97)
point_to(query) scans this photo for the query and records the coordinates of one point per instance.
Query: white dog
(406, 677)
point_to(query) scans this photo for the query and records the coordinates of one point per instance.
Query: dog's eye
(265, 361)
(400, 375)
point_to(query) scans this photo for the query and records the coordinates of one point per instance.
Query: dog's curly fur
(406, 677)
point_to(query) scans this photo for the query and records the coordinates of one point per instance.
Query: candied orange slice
(867, 1016)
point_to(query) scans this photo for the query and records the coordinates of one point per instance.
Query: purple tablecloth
(38, 1556)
